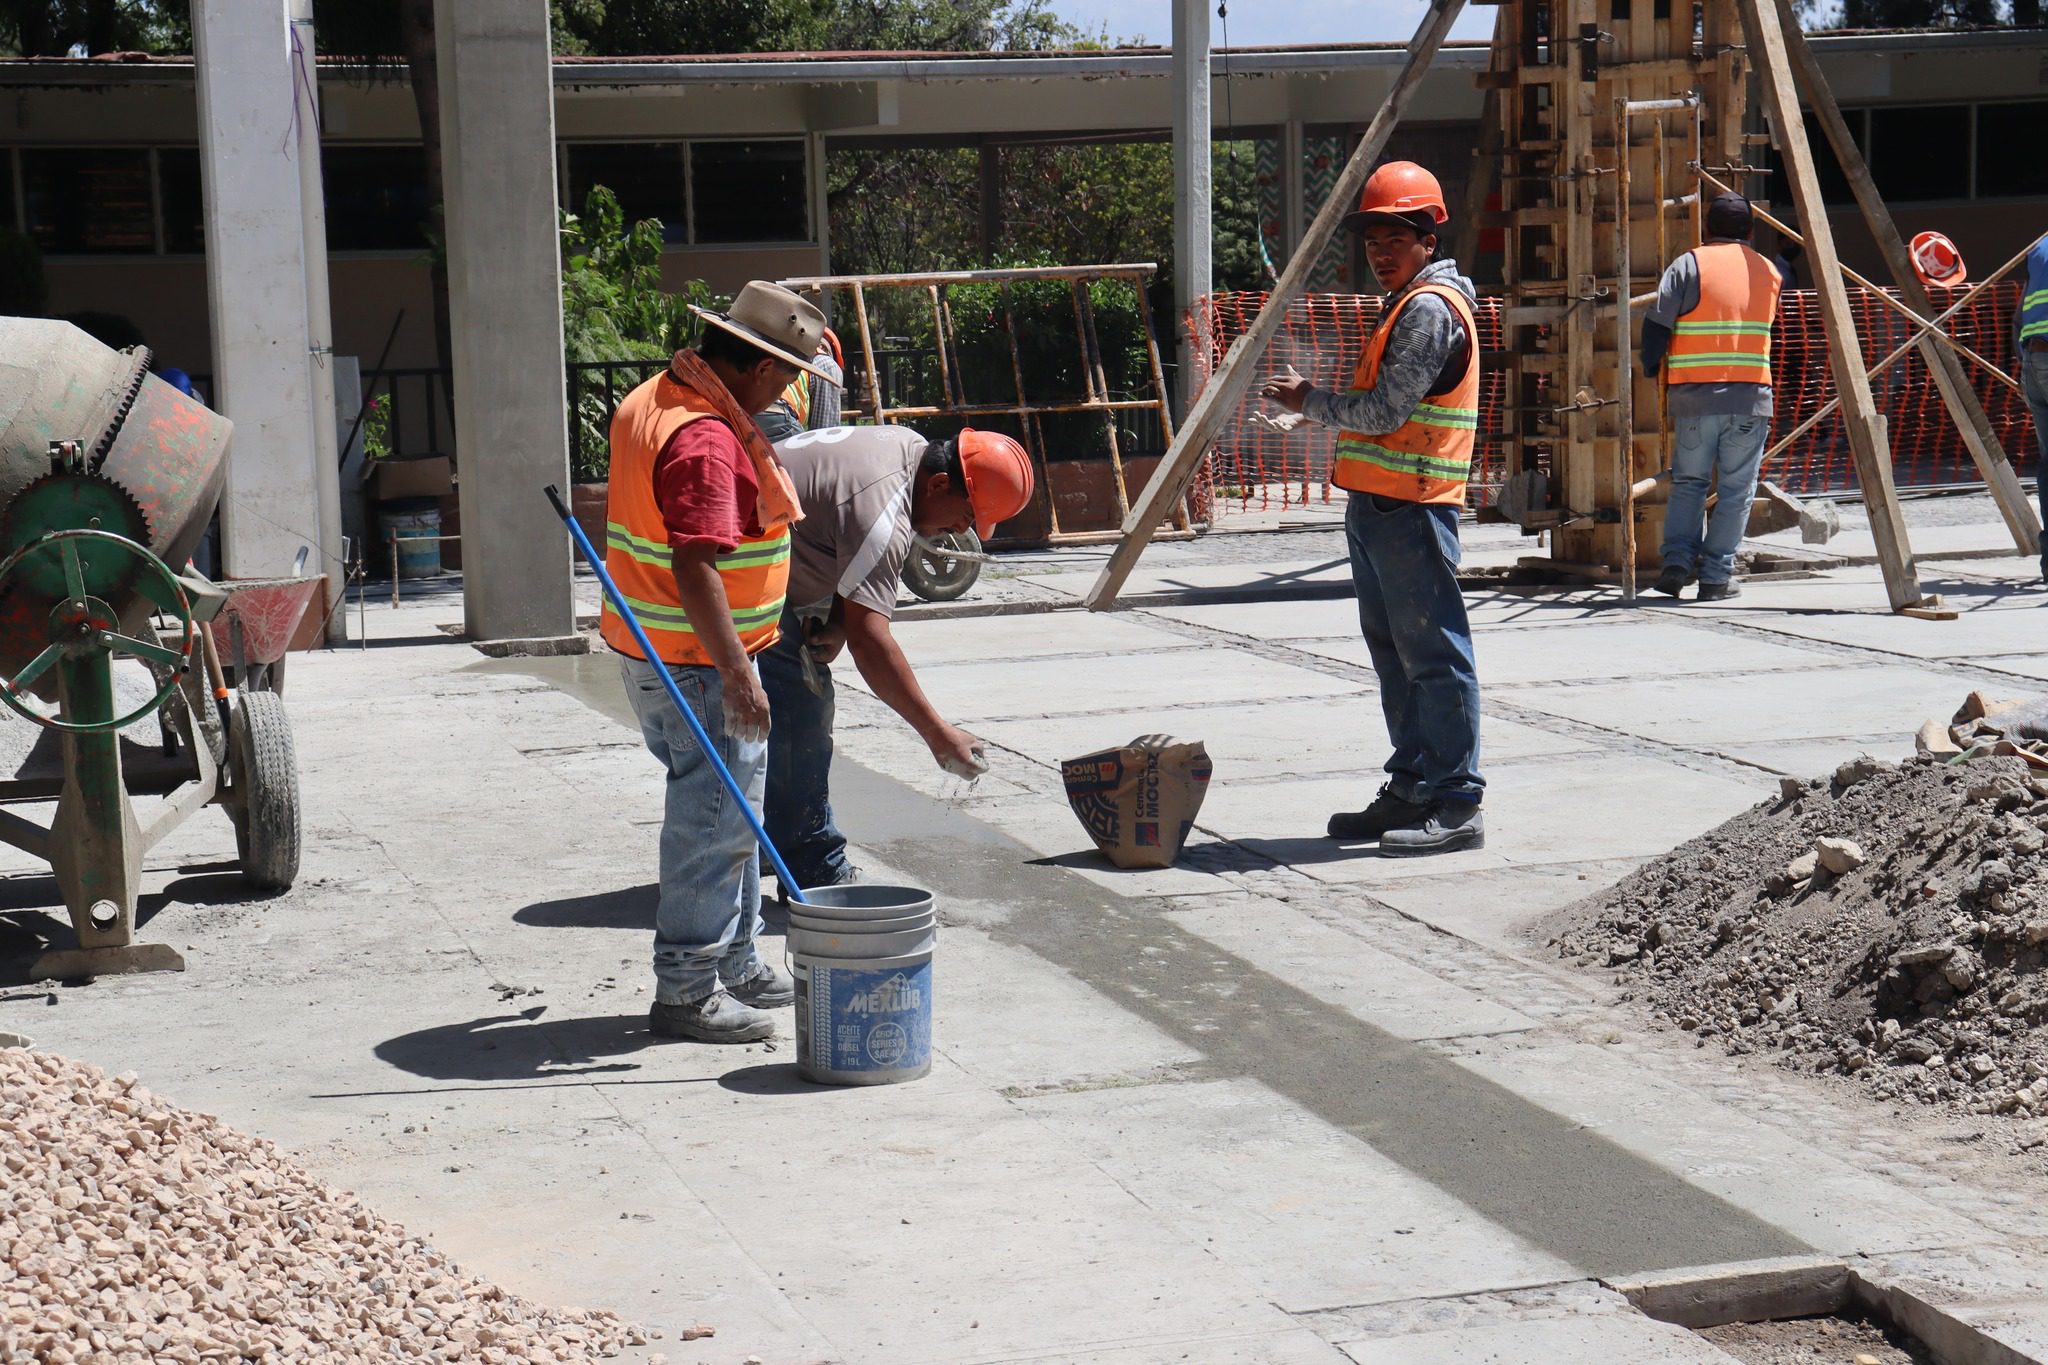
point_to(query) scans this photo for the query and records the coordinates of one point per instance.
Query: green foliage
(377, 427)
(660, 27)
(23, 291)
(615, 308)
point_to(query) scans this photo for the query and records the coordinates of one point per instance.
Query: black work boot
(1386, 812)
(1719, 592)
(1672, 581)
(1445, 827)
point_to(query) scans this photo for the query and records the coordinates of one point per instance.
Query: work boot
(767, 987)
(717, 1018)
(1719, 592)
(1386, 812)
(1672, 581)
(1446, 827)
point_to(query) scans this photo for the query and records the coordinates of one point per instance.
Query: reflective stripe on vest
(1726, 339)
(1429, 456)
(797, 399)
(2034, 303)
(755, 573)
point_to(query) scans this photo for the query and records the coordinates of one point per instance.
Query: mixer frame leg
(95, 840)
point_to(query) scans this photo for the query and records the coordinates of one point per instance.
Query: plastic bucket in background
(863, 991)
(417, 524)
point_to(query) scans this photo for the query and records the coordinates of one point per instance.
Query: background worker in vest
(1713, 316)
(698, 540)
(863, 491)
(1407, 427)
(810, 402)
(2031, 334)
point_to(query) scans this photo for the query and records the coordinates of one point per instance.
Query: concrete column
(256, 276)
(319, 324)
(1294, 213)
(505, 303)
(1192, 190)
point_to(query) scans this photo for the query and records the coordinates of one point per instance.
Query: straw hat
(783, 324)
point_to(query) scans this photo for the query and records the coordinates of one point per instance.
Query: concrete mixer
(110, 648)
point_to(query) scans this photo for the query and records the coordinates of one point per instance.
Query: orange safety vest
(1727, 338)
(1428, 457)
(755, 573)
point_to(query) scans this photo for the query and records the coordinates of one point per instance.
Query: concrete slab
(1810, 758)
(1637, 648)
(1979, 630)
(1752, 708)
(1492, 907)
(970, 692)
(1344, 970)
(976, 639)
(1792, 1183)
(2034, 666)
(1321, 617)
(1313, 1217)
(1256, 576)
(1598, 1340)
(1049, 828)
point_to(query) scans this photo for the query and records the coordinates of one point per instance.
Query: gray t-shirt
(1678, 294)
(855, 485)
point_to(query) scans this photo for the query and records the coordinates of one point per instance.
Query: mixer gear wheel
(69, 501)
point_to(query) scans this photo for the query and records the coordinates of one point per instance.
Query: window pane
(177, 178)
(749, 192)
(1921, 152)
(89, 201)
(1834, 185)
(2007, 162)
(376, 198)
(647, 177)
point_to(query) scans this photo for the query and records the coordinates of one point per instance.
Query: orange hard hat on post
(1937, 261)
(998, 475)
(1400, 190)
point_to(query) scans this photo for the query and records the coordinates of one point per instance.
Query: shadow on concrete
(521, 1047)
(772, 1078)
(629, 907)
(1301, 849)
(33, 920)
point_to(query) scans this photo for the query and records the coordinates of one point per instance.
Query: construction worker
(809, 403)
(1407, 428)
(699, 519)
(2030, 329)
(1710, 328)
(864, 491)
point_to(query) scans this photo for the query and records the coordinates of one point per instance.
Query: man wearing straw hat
(697, 539)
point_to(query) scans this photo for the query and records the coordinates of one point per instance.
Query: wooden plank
(1946, 369)
(1868, 438)
(1220, 396)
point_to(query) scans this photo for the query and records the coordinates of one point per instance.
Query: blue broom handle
(675, 694)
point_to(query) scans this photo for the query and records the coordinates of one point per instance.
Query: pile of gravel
(1890, 922)
(132, 1230)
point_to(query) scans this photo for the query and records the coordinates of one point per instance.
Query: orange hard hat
(1399, 189)
(838, 355)
(998, 475)
(1937, 261)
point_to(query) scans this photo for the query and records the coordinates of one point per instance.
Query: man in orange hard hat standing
(1713, 315)
(1407, 425)
(864, 492)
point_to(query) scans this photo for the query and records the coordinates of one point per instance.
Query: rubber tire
(928, 574)
(265, 769)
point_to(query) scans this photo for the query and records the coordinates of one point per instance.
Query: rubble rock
(1803, 867)
(1859, 769)
(1838, 856)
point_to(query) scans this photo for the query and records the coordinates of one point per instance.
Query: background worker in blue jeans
(2031, 334)
(1407, 427)
(1710, 329)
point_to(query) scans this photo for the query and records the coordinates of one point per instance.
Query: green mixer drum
(170, 452)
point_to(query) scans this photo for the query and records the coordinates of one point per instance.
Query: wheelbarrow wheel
(937, 576)
(265, 774)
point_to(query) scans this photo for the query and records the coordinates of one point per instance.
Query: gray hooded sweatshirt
(1427, 339)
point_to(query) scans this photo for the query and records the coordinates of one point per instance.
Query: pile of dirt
(133, 1230)
(1889, 922)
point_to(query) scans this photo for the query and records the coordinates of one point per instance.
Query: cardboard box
(399, 477)
(1139, 802)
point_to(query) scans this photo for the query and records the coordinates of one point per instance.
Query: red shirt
(705, 483)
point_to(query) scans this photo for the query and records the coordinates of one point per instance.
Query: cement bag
(1139, 802)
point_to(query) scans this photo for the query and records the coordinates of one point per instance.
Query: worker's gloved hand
(1289, 389)
(959, 753)
(1284, 423)
(745, 706)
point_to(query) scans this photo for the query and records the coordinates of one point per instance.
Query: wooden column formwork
(1571, 67)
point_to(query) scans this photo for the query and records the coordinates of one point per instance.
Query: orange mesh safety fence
(1254, 466)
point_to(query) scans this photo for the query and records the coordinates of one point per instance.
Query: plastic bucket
(863, 902)
(864, 999)
(859, 926)
(419, 551)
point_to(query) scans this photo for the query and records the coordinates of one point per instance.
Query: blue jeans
(2034, 380)
(709, 912)
(1726, 451)
(798, 809)
(1404, 560)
